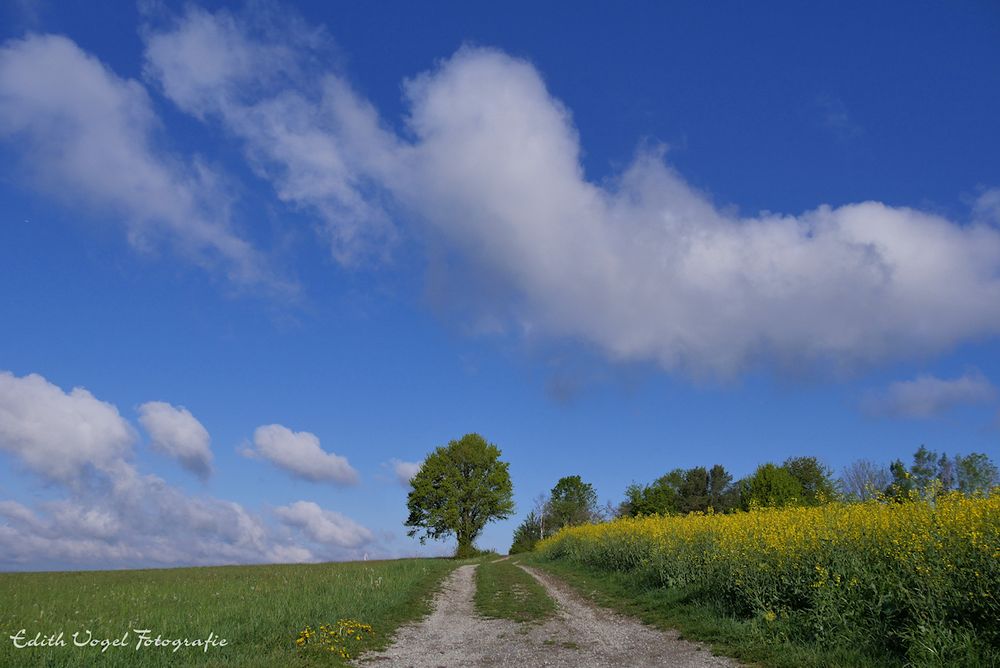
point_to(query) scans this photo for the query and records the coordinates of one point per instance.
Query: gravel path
(578, 635)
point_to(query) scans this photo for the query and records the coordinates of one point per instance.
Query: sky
(258, 260)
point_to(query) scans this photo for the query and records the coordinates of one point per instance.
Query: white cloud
(642, 266)
(85, 134)
(404, 470)
(114, 516)
(208, 63)
(326, 527)
(177, 433)
(299, 453)
(127, 519)
(648, 268)
(57, 434)
(927, 396)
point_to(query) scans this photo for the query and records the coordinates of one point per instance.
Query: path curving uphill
(580, 634)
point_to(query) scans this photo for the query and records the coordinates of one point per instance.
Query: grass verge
(505, 591)
(753, 641)
(259, 610)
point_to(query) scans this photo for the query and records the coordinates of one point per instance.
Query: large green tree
(459, 488)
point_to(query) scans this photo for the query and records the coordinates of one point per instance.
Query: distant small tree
(654, 499)
(976, 474)
(771, 486)
(946, 473)
(694, 490)
(458, 489)
(526, 534)
(572, 502)
(864, 480)
(719, 483)
(901, 487)
(923, 472)
(815, 478)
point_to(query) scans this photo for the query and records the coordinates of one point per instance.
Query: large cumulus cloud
(643, 266)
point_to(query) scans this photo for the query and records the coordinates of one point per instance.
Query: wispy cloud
(86, 135)
(253, 77)
(404, 471)
(929, 396)
(835, 117)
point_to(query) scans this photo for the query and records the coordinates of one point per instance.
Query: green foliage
(815, 479)
(931, 475)
(694, 490)
(459, 488)
(771, 486)
(901, 487)
(572, 502)
(683, 491)
(721, 497)
(924, 470)
(976, 474)
(528, 533)
(659, 498)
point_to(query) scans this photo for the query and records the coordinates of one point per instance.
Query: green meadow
(261, 611)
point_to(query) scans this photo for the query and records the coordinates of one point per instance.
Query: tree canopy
(771, 486)
(572, 502)
(459, 489)
(815, 478)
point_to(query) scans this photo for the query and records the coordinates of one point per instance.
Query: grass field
(260, 610)
(841, 584)
(505, 591)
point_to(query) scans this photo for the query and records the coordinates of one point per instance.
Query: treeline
(799, 481)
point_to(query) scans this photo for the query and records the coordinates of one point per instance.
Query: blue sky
(283, 249)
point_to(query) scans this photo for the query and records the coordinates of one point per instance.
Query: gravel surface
(578, 635)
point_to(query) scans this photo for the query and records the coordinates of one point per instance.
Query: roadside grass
(504, 591)
(753, 641)
(260, 610)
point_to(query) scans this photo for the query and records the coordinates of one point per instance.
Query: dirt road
(578, 635)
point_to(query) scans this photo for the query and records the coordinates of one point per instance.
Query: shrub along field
(897, 583)
(262, 611)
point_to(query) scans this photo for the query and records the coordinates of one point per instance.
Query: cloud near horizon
(929, 396)
(326, 527)
(643, 266)
(111, 515)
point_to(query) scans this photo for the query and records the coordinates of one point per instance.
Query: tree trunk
(465, 548)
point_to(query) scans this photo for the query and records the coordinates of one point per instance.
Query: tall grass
(917, 581)
(259, 610)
